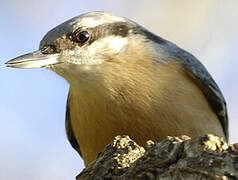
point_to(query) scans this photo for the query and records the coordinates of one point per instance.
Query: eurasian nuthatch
(126, 80)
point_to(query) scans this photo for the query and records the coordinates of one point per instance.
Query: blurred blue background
(32, 133)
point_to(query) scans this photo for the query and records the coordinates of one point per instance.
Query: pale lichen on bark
(204, 157)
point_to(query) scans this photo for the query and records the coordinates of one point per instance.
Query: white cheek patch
(95, 53)
(116, 43)
(80, 57)
(110, 44)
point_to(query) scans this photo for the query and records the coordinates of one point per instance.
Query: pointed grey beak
(33, 60)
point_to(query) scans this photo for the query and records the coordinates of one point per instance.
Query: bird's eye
(81, 37)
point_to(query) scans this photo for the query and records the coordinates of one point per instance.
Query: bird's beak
(33, 60)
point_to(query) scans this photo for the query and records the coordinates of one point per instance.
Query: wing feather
(69, 130)
(204, 80)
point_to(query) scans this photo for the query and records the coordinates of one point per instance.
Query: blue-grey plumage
(126, 80)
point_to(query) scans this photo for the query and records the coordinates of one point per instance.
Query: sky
(32, 107)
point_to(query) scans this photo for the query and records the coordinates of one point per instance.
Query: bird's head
(90, 43)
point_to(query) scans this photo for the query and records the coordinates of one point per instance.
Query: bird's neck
(112, 103)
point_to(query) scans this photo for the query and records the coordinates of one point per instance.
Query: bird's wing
(69, 131)
(204, 80)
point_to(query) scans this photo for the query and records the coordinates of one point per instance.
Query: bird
(125, 80)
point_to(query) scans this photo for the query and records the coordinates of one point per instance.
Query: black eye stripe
(101, 31)
(119, 30)
(122, 29)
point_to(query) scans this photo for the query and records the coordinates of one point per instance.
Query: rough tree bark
(204, 157)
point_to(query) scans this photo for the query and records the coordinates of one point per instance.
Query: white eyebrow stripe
(93, 21)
